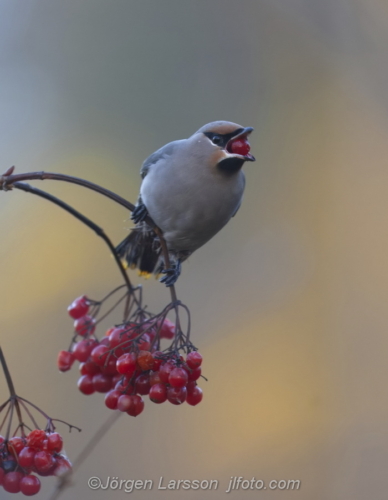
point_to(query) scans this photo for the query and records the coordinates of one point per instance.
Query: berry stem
(8, 432)
(112, 293)
(25, 402)
(7, 374)
(167, 264)
(13, 398)
(30, 414)
(6, 413)
(111, 309)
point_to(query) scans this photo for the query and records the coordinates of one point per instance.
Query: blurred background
(288, 302)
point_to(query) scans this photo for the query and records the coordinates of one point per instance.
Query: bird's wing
(161, 153)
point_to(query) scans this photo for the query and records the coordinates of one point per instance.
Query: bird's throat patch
(230, 165)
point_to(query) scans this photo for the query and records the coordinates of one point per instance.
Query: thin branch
(6, 413)
(7, 374)
(11, 388)
(98, 230)
(8, 180)
(34, 422)
(65, 481)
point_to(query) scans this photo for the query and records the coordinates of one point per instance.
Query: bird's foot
(139, 214)
(172, 274)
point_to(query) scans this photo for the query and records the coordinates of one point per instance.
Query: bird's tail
(140, 249)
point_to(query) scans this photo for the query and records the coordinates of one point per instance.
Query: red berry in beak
(239, 147)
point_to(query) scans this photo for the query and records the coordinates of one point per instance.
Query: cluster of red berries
(126, 364)
(38, 453)
(163, 377)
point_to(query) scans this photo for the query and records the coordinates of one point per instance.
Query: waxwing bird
(190, 188)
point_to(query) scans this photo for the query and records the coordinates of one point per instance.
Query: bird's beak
(243, 135)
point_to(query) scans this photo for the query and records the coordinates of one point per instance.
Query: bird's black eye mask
(222, 140)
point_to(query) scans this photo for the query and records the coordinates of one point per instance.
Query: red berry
(109, 367)
(35, 439)
(102, 383)
(85, 384)
(30, 485)
(26, 457)
(194, 359)
(158, 360)
(85, 326)
(131, 329)
(111, 399)
(194, 374)
(124, 402)
(116, 378)
(109, 331)
(158, 393)
(89, 368)
(165, 370)
(194, 396)
(79, 307)
(63, 465)
(151, 334)
(54, 442)
(65, 360)
(177, 395)
(2, 474)
(142, 384)
(43, 461)
(15, 445)
(99, 354)
(82, 349)
(167, 330)
(145, 342)
(191, 386)
(239, 147)
(11, 481)
(155, 378)
(178, 377)
(123, 385)
(119, 335)
(145, 360)
(136, 406)
(126, 364)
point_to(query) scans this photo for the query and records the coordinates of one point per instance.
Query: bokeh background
(289, 301)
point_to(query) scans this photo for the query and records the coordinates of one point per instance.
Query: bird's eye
(216, 139)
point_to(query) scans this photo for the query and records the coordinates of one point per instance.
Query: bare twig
(65, 481)
(11, 388)
(8, 180)
(98, 230)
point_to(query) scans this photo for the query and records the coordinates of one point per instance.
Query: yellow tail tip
(145, 274)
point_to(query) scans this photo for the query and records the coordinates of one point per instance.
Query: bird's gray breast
(188, 200)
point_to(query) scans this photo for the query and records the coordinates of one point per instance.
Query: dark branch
(11, 388)
(99, 231)
(8, 180)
